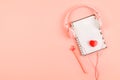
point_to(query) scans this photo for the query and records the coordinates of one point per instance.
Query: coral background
(34, 46)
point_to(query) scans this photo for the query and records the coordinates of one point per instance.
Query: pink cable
(73, 50)
(96, 67)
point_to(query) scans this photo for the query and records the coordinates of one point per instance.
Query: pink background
(34, 46)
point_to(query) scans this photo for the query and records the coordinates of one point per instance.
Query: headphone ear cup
(71, 33)
(100, 22)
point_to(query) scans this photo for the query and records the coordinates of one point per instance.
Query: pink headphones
(67, 23)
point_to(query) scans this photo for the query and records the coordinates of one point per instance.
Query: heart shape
(92, 43)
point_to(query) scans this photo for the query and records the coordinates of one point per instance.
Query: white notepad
(87, 29)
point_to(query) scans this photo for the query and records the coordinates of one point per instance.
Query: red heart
(92, 43)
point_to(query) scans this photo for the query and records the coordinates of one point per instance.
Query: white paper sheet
(85, 30)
